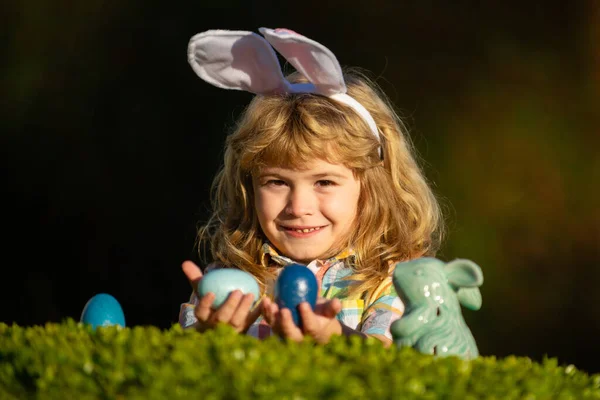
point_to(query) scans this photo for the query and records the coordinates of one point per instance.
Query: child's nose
(300, 202)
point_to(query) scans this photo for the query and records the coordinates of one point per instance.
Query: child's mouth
(302, 231)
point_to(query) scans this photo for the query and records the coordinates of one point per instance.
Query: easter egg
(296, 284)
(103, 310)
(223, 281)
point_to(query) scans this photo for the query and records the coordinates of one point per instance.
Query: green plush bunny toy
(432, 292)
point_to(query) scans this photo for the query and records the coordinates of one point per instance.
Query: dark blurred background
(110, 141)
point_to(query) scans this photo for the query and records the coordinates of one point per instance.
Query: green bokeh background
(109, 143)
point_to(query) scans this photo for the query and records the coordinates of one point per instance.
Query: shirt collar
(269, 252)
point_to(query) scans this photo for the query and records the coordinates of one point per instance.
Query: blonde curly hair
(399, 219)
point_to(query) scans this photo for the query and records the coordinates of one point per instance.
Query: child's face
(304, 213)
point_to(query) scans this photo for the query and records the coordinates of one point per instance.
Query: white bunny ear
(320, 66)
(243, 60)
(313, 60)
(237, 60)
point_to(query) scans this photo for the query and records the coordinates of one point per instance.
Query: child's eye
(325, 182)
(275, 182)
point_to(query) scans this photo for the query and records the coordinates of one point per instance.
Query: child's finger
(329, 309)
(238, 318)
(273, 313)
(253, 315)
(309, 322)
(192, 272)
(226, 310)
(275, 323)
(288, 328)
(269, 309)
(203, 309)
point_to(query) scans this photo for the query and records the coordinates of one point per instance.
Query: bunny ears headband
(243, 60)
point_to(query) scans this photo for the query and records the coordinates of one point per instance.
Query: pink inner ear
(284, 30)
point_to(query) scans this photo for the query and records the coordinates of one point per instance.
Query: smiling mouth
(302, 230)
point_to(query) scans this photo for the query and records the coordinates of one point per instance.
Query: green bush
(71, 361)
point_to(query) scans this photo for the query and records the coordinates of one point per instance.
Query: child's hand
(235, 311)
(320, 324)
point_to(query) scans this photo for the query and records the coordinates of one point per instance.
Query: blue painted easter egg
(296, 284)
(103, 310)
(223, 281)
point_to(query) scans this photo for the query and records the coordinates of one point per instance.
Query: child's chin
(304, 258)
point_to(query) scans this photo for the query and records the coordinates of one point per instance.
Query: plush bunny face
(433, 292)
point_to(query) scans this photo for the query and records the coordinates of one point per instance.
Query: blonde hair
(399, 217)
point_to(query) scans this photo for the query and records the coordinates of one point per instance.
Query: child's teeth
(306, 230)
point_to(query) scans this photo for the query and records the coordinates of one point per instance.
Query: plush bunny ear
(237, 60)
(470, 298)
(463, 273)
(313, 60)
(465, 277)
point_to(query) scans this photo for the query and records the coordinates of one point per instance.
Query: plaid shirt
(372, 315)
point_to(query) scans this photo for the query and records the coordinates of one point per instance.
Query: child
(318, 171)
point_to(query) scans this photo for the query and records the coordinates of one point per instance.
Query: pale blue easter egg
(103, 310)
(223, 281)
